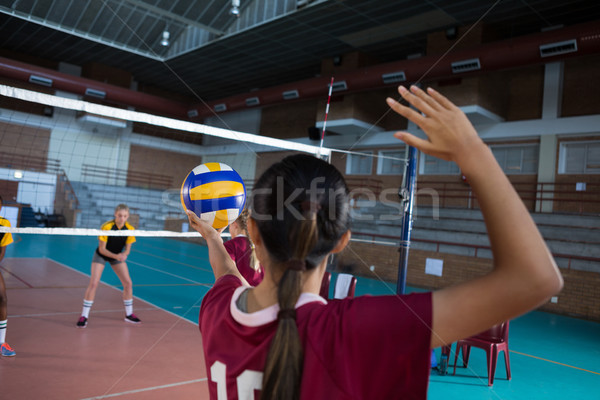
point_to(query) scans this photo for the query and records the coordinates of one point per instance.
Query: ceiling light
(235, 8)
(165, 38)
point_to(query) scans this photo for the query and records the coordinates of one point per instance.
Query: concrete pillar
(546, 172)
(553, 88)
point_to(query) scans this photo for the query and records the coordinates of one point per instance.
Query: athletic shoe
(7, 351)
(132, 319)
(82, 323)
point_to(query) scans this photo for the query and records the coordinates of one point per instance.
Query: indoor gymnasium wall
(580, 296)
(169, 168)
(581, 86)
(586, 201)
(12, 151)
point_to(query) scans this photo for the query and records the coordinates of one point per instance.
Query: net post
(407, 194)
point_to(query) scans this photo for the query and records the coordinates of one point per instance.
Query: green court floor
(552, 356)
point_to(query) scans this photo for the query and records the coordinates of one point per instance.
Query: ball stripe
(217, 204)
(221, 220)
(216, 177)
(213, 166)
(216, 190)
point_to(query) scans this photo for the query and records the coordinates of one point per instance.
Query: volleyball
(215, 192)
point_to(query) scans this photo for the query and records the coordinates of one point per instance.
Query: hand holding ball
(215, 192)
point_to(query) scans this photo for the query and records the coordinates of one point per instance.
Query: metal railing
(395, 240)
(131, 178)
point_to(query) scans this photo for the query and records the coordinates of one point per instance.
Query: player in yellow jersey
(5, 240)
(114, 250)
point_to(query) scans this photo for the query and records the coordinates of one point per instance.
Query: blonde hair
(122, 207)
(242, 222)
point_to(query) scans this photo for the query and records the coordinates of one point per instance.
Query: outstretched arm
(219, 259)
(525, 274)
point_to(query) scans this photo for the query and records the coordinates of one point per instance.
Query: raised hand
(450, 134)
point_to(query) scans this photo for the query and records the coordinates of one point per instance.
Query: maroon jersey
(239, 250)
(361, 348)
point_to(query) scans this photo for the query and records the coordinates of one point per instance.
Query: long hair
(300, 206)
(242, 222)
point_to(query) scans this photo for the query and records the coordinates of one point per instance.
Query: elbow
(552, 284)
(559, 283)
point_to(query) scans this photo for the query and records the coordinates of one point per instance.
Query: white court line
(166, 273)
(205, 259)
(140, 299)
(78, 313)
(145, 389)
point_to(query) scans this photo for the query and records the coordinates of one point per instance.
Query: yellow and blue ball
(215, 192)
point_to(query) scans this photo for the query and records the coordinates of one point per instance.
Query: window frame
(381, 161)
(364, 154)
(562, 157)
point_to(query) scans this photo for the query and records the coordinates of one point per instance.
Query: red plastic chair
(493, 341)
(324, 292)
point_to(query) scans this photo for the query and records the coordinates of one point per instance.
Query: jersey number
(247, 382)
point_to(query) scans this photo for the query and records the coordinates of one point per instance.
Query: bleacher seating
(97, 203)
(570, 235)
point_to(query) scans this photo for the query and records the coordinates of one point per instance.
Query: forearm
(107, 253)
(518, 248)
(219, 258)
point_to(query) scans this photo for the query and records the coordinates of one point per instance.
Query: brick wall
(24, 147)
(580, 296)
(581, 86)
(166, 163)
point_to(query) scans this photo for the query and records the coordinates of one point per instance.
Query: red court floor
(159, 359)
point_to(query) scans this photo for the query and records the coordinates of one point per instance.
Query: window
(517, 159)
(435, 166)
(359, 164)
(580, 158)
(391, 162)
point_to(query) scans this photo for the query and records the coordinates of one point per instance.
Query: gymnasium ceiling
(212, 54)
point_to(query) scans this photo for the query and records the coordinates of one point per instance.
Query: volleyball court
(62, 178)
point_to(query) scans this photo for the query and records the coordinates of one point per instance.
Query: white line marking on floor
(145, 389)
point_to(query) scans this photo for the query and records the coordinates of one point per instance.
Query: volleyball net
(66, 163)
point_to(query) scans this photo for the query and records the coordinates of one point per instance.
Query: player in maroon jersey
(241, 250)
(282, 339)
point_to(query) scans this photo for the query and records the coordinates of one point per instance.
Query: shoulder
(222, 287)
(129, 226)
(4, 222)
(219, 296)
(107, 226)
(366, 315)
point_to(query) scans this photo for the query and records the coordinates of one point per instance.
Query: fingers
(406, 112)
(441, 99)
(423, 102)
(411, 140)
(432, 103)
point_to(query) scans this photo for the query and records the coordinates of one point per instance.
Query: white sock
(3, 330)
(128, 306)
(87, 305)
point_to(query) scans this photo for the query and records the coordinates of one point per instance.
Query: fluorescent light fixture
(18, 174)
